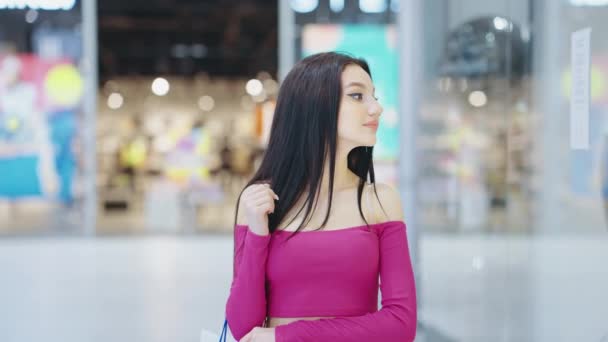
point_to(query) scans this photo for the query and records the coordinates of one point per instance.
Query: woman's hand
(258, 202)
(259, 335)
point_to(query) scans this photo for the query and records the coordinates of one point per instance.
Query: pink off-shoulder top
(326, 273)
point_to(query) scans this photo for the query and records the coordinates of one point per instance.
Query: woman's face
(359, 109)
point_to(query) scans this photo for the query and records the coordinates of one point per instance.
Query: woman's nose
(375, 109)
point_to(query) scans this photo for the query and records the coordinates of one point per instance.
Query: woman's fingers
(262, 187)
(265, 206)
(263, 198)
(264, 191)
(266, 196)
(260, 198)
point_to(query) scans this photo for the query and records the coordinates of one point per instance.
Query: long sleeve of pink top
(394, 322)
(246, 305)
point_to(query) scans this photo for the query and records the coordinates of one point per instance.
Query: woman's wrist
(259, 233)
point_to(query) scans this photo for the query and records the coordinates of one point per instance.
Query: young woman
(295, 283)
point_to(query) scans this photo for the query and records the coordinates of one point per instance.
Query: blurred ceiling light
(372, 6)
(206, 103)
(500, 23)
(31, 16)
(336, 5)
(198, 50)
(254, 87)
(588, 2)
(179, 51)
(48, 5)
(160, 86)
(478, 98)
(115, 101)
(304, 6)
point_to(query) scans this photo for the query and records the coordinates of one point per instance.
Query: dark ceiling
(184, 37)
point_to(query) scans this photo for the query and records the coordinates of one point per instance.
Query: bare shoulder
(389, 208)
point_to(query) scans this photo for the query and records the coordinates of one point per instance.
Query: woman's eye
(356, 96)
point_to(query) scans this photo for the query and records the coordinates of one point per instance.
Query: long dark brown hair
(304, 130)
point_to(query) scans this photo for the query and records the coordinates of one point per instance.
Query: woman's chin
(370, 142)
(366, 142)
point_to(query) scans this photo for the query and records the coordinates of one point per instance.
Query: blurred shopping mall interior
(129, 128)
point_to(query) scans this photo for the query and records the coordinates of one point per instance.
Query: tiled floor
(167, 288)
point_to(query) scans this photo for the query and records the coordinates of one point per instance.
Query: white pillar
(409, 22)
(287, 39)
(546, 72)
(89, 70)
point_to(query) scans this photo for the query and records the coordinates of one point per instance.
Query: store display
(38, 101)
(483, 47)
(168, 157)
(476, 134)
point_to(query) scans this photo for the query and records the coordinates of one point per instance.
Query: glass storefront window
(510, 204)
(42, 86)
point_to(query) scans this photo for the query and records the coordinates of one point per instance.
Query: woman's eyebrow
(355, 84)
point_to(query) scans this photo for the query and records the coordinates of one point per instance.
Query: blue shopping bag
(224, 331)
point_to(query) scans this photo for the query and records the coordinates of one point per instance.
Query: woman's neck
(344, 179)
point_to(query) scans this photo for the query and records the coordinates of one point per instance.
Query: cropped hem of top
(325, 273)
